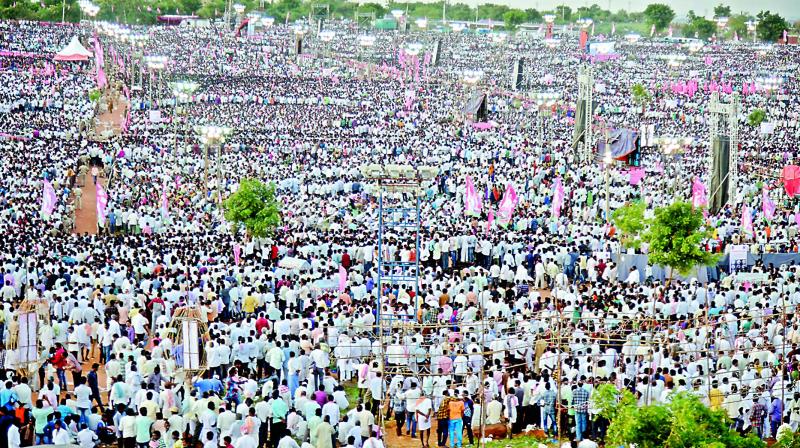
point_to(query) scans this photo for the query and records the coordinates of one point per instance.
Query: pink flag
(669, 33)
(49, 198)
(699, 198)
(558, 197)
(507, 205)
(102, 202)
(708, 60)
(472, 204)
(747, 220)
(636, 175)
(342, 278)
(164, 200)
(768, 205)
(490, 220)
(785, 36)
(237, 253)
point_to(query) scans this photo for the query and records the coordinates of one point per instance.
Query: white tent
(74, 51)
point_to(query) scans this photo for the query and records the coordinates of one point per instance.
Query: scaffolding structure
(725, 122)
(585, 94)
(318, 14)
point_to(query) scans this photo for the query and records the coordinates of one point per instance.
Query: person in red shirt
(58, 358)
(346, 260)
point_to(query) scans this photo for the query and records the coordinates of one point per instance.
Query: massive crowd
(515, 323)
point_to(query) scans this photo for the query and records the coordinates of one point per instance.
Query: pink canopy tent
(74, 51)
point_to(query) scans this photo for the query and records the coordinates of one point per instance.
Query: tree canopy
(722, 11)
(659, 14)
(683, 422)
(699, 27)
(675, 237)
(253, 206)
(771, 26)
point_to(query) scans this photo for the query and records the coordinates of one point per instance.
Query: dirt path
(86, 216)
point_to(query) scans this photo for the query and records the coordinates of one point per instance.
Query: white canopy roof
(74, 51)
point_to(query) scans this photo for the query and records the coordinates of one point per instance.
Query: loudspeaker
(517, 75)
(437, 51)
(720, 165)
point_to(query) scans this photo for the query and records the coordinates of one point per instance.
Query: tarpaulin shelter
(621, 141)
(74, 51)
(791, 180)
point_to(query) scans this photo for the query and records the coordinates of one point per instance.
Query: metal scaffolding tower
(399, 189)
(725, 122)
(585, 93)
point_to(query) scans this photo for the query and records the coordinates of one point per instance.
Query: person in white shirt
(86, 437)
(61, 435)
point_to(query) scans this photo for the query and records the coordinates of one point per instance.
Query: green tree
(738, 24)
(675, 237)
(722, 11)
(629, 221)
(756, 117)
(659, 14)
(683, 422)
(700, 27)
(771, 26)
(564, 12)
(514, 18)
(533, 15)
(253, 206)
(640, 95)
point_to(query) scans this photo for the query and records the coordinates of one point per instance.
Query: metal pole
(205, 170)
(482, 443)
(219, 176)
(63, 9)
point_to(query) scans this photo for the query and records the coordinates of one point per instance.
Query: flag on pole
(767, 205)
(747, 220)
(653, 30)
(785, 36)
(164, 200)
(669, 32)
(558, 198)
(102, 203)
(49, 198)
(490, 220)
(592, 28)
(342, 278)
(472, 204)
(613, 28)
(237, 253)
(505, 211)
(699, 194)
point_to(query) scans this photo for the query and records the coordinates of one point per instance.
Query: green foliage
(640, 95)
(533, 15)
(630, 222)
(253, 206)
(770, 26)
(564, 12)
(675, 236)
(514, 17)
(786, 438)
(94, 95)
(594, 12)
(699, 27)
(610, 401)
(756, 117)
(684, 422)
(659, 14)
(722, 11)
(738, 24)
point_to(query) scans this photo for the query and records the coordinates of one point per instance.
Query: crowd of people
(514, 320)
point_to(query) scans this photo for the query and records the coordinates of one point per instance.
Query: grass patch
(519, 442)
(351, 390)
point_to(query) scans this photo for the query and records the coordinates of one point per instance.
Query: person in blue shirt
(8, 397)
